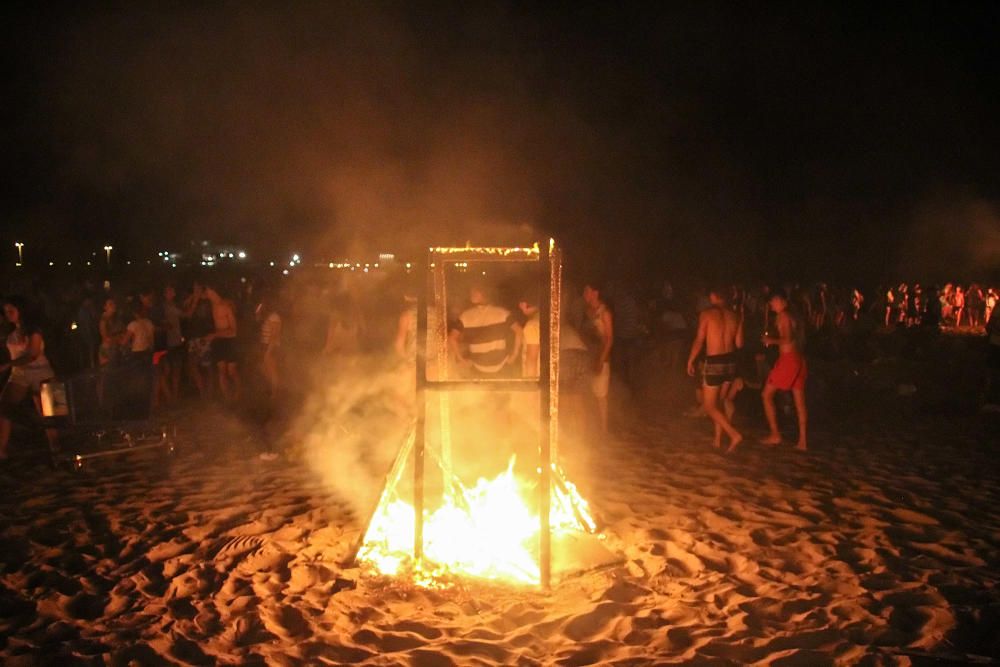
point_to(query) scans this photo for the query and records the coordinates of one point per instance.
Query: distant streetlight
(20, 252)
(107, 250)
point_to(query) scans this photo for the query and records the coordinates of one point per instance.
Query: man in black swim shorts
(224, 344)
(719, 369)
(720, 332)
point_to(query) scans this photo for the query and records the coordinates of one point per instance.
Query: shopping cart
(105, 413)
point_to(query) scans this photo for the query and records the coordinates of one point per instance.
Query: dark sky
(798, 140)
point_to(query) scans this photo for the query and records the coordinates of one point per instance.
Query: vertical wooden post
(440, 295)
(420, 439)
(545, 414)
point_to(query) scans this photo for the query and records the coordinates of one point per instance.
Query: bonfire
(522, 524)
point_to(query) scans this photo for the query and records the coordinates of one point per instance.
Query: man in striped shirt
(483, 329)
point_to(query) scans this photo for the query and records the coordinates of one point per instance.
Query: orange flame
(487, 531)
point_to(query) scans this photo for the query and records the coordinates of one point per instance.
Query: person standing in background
(599, 326)
(223, 344)
(169, 320)
(197, 317)
(28, 366)
(531, 350)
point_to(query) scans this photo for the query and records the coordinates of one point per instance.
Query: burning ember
(489, 531)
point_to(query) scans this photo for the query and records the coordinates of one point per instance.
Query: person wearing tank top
(28, 366)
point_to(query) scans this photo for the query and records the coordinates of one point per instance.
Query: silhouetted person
(599, 327)
(223, 341)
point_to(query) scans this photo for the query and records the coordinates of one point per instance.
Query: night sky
(842, 142)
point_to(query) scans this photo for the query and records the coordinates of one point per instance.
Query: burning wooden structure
(434, 523)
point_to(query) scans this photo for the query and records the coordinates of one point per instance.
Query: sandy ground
(880, 546)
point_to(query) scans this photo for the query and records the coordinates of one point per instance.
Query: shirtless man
(720, 331)
(789, 372)
(223, 341)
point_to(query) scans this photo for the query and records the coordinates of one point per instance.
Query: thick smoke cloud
(953, 237)
(727, 141)
(329, 123)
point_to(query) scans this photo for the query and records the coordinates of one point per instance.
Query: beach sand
(880, 546)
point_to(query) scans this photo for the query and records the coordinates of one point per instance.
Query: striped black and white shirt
(484, 329)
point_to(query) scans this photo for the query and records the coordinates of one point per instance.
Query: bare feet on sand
(734, 444)
(772, 440)
(801, 446)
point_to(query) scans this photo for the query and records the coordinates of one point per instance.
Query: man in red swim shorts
(789, 372)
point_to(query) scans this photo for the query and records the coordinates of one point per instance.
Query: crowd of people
(250, 342)
(951, 305)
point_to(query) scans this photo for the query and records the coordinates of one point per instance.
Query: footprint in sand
(321, 652)
(624, 592)
(425, 658)
(477, 649)
(681, 639)
(388, 642)
(168, 550)
(596, 653)
(589, 625)
(909, 516)
(250, 630)
(288, 623)
(233, 547)
(683, 562)
(182, 608)
(189, 652)
(426, 631)
(269, 559)
(85, 606)
(924, 625)
(208, 622)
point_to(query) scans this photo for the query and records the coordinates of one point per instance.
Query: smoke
(640, 139)
(352, 427)
(321, 124)
(360, 417)
(952, 238)
(360, 408)
(338, 127)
